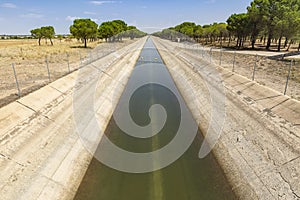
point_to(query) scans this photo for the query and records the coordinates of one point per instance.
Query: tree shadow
(80, 47)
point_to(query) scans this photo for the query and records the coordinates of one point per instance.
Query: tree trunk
(40, 41)
(85, 41)
(51, 41)
(229, 41)
(299, 47)
(279, 44)
(253, 42)
(269, 43)
(286, 42)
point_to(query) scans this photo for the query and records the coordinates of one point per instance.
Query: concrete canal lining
(186, 178)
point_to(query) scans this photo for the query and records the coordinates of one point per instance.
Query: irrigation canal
(187, 178)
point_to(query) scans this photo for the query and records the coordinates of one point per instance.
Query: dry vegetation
(30, 62)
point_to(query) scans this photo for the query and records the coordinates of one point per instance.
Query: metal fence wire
(280, 74)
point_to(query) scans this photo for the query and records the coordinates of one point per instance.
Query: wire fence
(18, 78)
(22, 77)
(280, 74)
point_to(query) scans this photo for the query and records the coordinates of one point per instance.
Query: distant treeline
(7, 37)
(88, 30)
(266, 20)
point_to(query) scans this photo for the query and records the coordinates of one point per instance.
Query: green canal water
(188, 178)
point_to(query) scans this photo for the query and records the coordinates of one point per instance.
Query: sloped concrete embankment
(259, 149)
(41, 155)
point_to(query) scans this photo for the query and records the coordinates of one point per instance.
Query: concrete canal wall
(259, 148)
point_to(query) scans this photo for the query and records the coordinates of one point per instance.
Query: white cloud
(89, 13)
(8, 5)
(98, 3)
(95, 20)
(70, 18)
(32, 15)
(210, 1)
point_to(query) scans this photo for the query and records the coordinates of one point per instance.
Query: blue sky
(20, 16)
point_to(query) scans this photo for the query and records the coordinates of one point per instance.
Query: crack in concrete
(291, 160)
(57, 90)
(286, 181)
(27, 106)
(9, 158)
(36, 112)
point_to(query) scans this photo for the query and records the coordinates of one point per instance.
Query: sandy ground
(31, 66)
(259, 146)
(41, 155)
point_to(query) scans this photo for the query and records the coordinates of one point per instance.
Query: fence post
(221, 56)
(47, 65)
(17, 83)
(68, 62)
(210, 52)
(233, 65)
(80, 59)
(91, 57)
(288, 77)
(254, 69)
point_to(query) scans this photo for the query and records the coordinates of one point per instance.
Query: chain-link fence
(20, 77)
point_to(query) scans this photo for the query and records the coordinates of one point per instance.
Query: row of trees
(110, 31)
(267, 20)
(189, 30)
(86, 29)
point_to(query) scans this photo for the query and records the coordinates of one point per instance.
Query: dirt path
(259, 148)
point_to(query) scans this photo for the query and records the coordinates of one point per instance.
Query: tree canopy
(84, 29)
(271, 20)
(116, 29)
(46, 32)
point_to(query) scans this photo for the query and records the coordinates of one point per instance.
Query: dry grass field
(31, 66)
